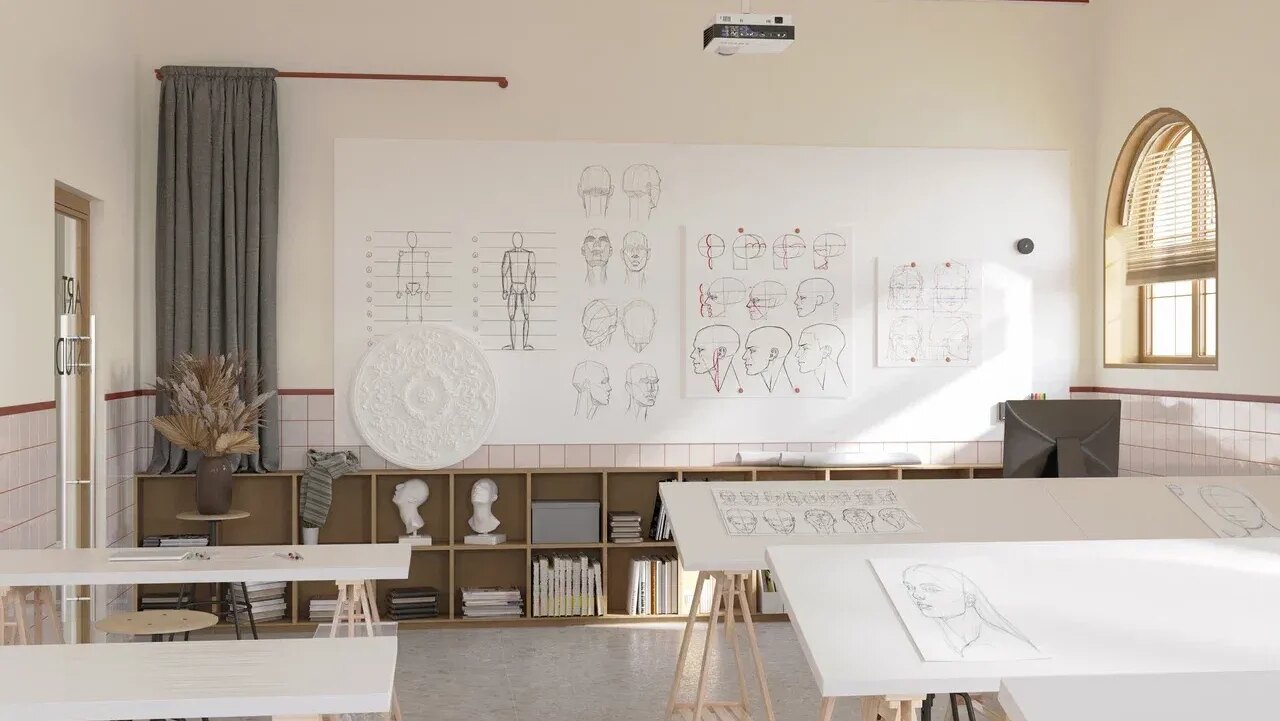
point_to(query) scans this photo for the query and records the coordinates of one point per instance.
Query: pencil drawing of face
(780, 521)
(814, 497)
(765, 354)
(951, 336)
(643, 186)
(599, 321)
(839, 496)
(966, 618)
(742, 520)
(904, 338)
(638, 322)
(861, 520)
(764, 297)
(906, 288)
(595, 187)
(635, 256)
(714, 299)
(794, 498)
(751, 498)
(746, 248)
(642, 389)
(1235, 507)
(951, 286)
(728, 498)
(826, 247)
(786, 249)
(596, 251)
(864, 498)
(818, 352)
(772, 497)
(591, 381)
(711, 246)
(811, 294)
(886, 495)
(822, 521)
(895, 517)
(714, 348)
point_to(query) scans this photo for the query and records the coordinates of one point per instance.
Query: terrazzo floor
(618, 672)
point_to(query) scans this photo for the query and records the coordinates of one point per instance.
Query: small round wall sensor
(1026, 245)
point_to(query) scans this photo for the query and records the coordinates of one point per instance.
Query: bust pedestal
(485, 539)
(416, 540)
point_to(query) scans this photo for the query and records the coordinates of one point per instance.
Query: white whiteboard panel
(466, 201)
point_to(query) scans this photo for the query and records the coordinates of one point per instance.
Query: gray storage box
(566, 522)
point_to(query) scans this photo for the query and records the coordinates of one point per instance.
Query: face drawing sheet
(1229, 510)
(929, 312)
(775, 324)
(813, 513)
(950, 616)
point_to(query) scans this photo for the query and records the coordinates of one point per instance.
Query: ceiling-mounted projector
(748, 33)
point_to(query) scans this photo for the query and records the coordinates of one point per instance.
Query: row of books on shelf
(624, 527)
(175, 540)
(413, 603)
(482, 602)
(265, 599)
(567, 585)
(654, 586)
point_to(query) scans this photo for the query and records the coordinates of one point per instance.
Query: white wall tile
(1257, 417)
(627, 455)
(527, 456)
(677, 454)
(655, 455)
(551, 456)
(702, 455)
(602, 456)
(293, 408)
(320, 408)
(725, 453)
(320, 434)
(577, 456)
(293, 433)
(502, 457)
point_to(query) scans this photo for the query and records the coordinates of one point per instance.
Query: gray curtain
(217, 188)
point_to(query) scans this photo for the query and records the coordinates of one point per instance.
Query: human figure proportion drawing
(519, 289)
(413, 275)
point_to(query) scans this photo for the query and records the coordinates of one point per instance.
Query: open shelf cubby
(362, 512)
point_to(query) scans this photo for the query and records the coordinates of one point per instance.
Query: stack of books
(480, 602)
(624, 527)
(176, 540)
(654, 586)
(406, 604)
(158, 600)
(660, 526)
(567, 586)
(267, 598)
(321, 610)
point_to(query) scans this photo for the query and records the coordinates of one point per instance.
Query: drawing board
(768, 312)
(563, 260)
(952, 609)
(812, 512)
(929, 311)
(1227, 509)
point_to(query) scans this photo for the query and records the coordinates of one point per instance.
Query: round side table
(215, 523)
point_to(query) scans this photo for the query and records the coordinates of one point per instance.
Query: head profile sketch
(786, 249)
(906, 288)
(599, 321)
(519, 273)
(782, 522)
(642, 185)
(860, 519)
(484, 493)
(905, 339)
(950, 286)
(968, 622)
(642, 390)
(898, 519)
(812, 294)
(638, 322)
(826, 247)
(949, 338)
(597, 249)
(711, 246)
(742, 521)
(408, 496)
(1244, 517)
(818, 352)
(591, 381)
(413, 276)
(821, 520)
(765, 354)
(764, 297)
(714, 350)
(715, 298)
(635, 257)
(746, 248)
(595, 187)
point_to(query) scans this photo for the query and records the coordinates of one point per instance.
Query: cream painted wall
(1228, 91)
(69, 115)
(864, 73)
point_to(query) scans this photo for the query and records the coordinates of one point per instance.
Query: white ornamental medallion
(424, 397)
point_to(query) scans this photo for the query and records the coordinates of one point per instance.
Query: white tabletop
(1096, 607)
(327, 562)
(996, 509)
(1162, 697)
(279, 677)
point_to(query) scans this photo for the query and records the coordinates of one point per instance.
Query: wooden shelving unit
(362, 512)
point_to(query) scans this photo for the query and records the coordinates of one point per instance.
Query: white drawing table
(995, 509)
(1167, 697)
(297, 679)
(1095, 607)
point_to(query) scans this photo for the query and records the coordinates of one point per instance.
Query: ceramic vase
(213, 485)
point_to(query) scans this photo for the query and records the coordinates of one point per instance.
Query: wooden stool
(233, 606)
(157, 624)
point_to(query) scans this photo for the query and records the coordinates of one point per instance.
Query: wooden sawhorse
(357, 608)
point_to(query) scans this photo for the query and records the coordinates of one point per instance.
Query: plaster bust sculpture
(484, 493)
(408, 497)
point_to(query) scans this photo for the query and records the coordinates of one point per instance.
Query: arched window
(1162, 250)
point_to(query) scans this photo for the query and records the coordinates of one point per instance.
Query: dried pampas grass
(208, 414)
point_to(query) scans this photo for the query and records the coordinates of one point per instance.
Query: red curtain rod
(500, 80)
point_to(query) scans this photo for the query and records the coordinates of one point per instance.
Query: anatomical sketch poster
(957, 611)
(865, 511)
(768, 312)
(929, 312)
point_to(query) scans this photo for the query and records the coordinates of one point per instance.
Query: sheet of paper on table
(952, 611)
(1229, 510)
(749, 512)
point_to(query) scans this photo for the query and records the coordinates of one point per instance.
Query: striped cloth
(317, 483)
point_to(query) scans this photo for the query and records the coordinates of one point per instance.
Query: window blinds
(1171, 228)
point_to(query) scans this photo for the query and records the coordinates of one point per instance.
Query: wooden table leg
(736, 585)
(356, 602)
(828, 709)
(754, 645)
(699, 701)
(871, 707)
(684, 644)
